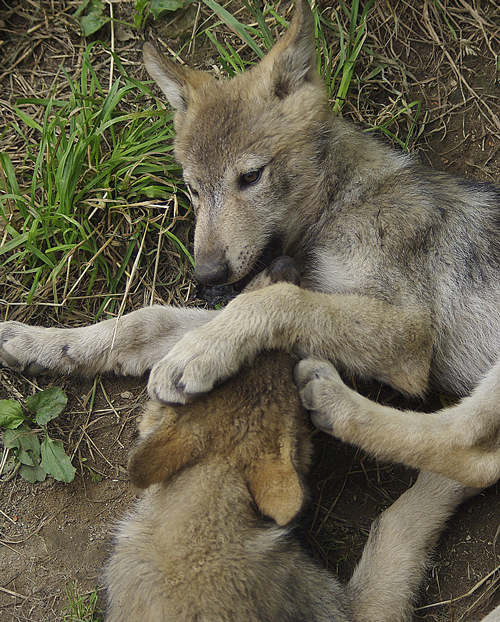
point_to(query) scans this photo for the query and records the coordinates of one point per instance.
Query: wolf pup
(198, 546)
(399, 263)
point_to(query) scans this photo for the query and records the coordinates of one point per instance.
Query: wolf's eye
(251, 177)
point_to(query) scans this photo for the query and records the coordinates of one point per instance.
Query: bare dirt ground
(54, 534)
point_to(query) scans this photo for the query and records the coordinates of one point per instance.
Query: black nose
(212, 272)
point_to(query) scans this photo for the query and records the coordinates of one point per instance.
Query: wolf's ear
(292, 61)
(161, 454)
(276, 487)
(177, 82)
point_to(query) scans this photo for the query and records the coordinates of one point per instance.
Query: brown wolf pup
(197, 545)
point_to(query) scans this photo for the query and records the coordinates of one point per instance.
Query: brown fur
(255, 422)
(197, 546)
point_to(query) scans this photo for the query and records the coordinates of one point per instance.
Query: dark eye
(251, 177)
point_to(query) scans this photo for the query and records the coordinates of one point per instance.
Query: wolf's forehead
(221, 130)
(220, 125)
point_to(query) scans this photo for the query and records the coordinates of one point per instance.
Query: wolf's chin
(221, 294)
(271, 250)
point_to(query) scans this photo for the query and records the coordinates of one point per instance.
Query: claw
(36, 369)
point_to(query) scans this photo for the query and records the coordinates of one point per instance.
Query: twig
(473, 589)
(11, 593)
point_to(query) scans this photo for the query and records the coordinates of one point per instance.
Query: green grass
(81, 607)
(97, 170)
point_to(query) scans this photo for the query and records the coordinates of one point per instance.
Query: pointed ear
(177, 82)
(292, 61)
(276, 487)
(161, 454)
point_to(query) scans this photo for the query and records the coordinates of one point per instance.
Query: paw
(312, 377)
(17, 347)
(191, 368)
(318, 382)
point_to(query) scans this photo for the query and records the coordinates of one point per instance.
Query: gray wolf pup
(399, 263)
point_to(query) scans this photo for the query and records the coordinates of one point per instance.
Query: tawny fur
(197, 546)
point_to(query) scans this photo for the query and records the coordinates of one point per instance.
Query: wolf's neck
(352, 164)
(356, 161)
(201, 499)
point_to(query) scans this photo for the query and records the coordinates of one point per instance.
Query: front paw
(188, 370)
(318, 381)
(18, 347)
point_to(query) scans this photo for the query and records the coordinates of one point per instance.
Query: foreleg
(367, 336)
(461, 442)
(128, 345)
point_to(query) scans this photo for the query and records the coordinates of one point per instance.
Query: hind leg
(393, 564)
(129, 345)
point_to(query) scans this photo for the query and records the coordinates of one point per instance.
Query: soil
(55, 537)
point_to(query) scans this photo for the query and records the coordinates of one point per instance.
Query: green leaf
(56, 462)
(94, 19)
(24, 457)
(157, 7)
(11, 414)
(47, 404)
(33, 473)
(141, 6)
(24, 444)
(22, 437)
